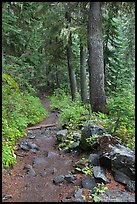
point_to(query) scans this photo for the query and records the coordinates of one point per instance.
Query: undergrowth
(120, 122)
(19, 109)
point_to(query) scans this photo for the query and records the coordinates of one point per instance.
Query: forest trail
(48, 162)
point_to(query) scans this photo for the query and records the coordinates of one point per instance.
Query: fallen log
(40, 126)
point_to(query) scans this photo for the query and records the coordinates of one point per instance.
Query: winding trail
(18, 186)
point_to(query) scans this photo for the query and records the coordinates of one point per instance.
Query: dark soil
(19, 186)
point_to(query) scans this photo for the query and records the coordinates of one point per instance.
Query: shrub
(19, 109)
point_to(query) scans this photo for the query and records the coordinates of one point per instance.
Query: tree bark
(72, 77)
(83, 84)
(95, 59)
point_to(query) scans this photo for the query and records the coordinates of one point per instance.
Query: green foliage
(87, 170)
(92, 139)
(101, 188)
(19, 109)
(122, 113)
(60, 100)
(120, 121)
(72, 114)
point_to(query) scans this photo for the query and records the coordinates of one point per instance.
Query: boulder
(61, 135)
(88, 131)
(99, 173)
(118, 158)
(94, 159)
(116, 195)
(89, 182)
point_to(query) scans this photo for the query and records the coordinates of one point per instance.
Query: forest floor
(48, 162)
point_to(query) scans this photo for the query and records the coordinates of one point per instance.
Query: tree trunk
(95, 59)
(83, 84)
(72, 77)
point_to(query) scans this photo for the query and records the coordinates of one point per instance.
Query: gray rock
(116, 196)
(30, 170)
(61, 135)
(88, 131)
(130, 186)
(94, 159)
(89, 182)
(43, 173)
(24, 146)
(81, 163)
(58, 179)
(120, 177)
(32, 145)
(100, 174)
(29, 132)
(78, 193)
(76, 136)
(74, 145)
(70, 178)
(117, 157)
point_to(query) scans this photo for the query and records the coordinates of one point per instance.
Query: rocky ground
(37, 175)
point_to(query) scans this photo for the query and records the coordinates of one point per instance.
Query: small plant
(101, 188)
(86, 169)
(92, 139)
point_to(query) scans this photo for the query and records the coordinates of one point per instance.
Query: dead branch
(40, 126)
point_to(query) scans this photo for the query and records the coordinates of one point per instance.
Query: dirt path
(48, 162)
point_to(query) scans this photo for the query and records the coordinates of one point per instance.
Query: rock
(88, 131)
(81, 163)
(120, 177)
(30, 170)
(24, 145)
(78, 193)
(32, 146)
(58, 179)
(130, 186)
(76, 136)
(117, 157)
(88, 182)
(100, 174)
(94, 159)
(30, 134)
(116, 196)
(61, 135)
(6, 197)
(74, 145)
(70, 178)
(43, 173)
